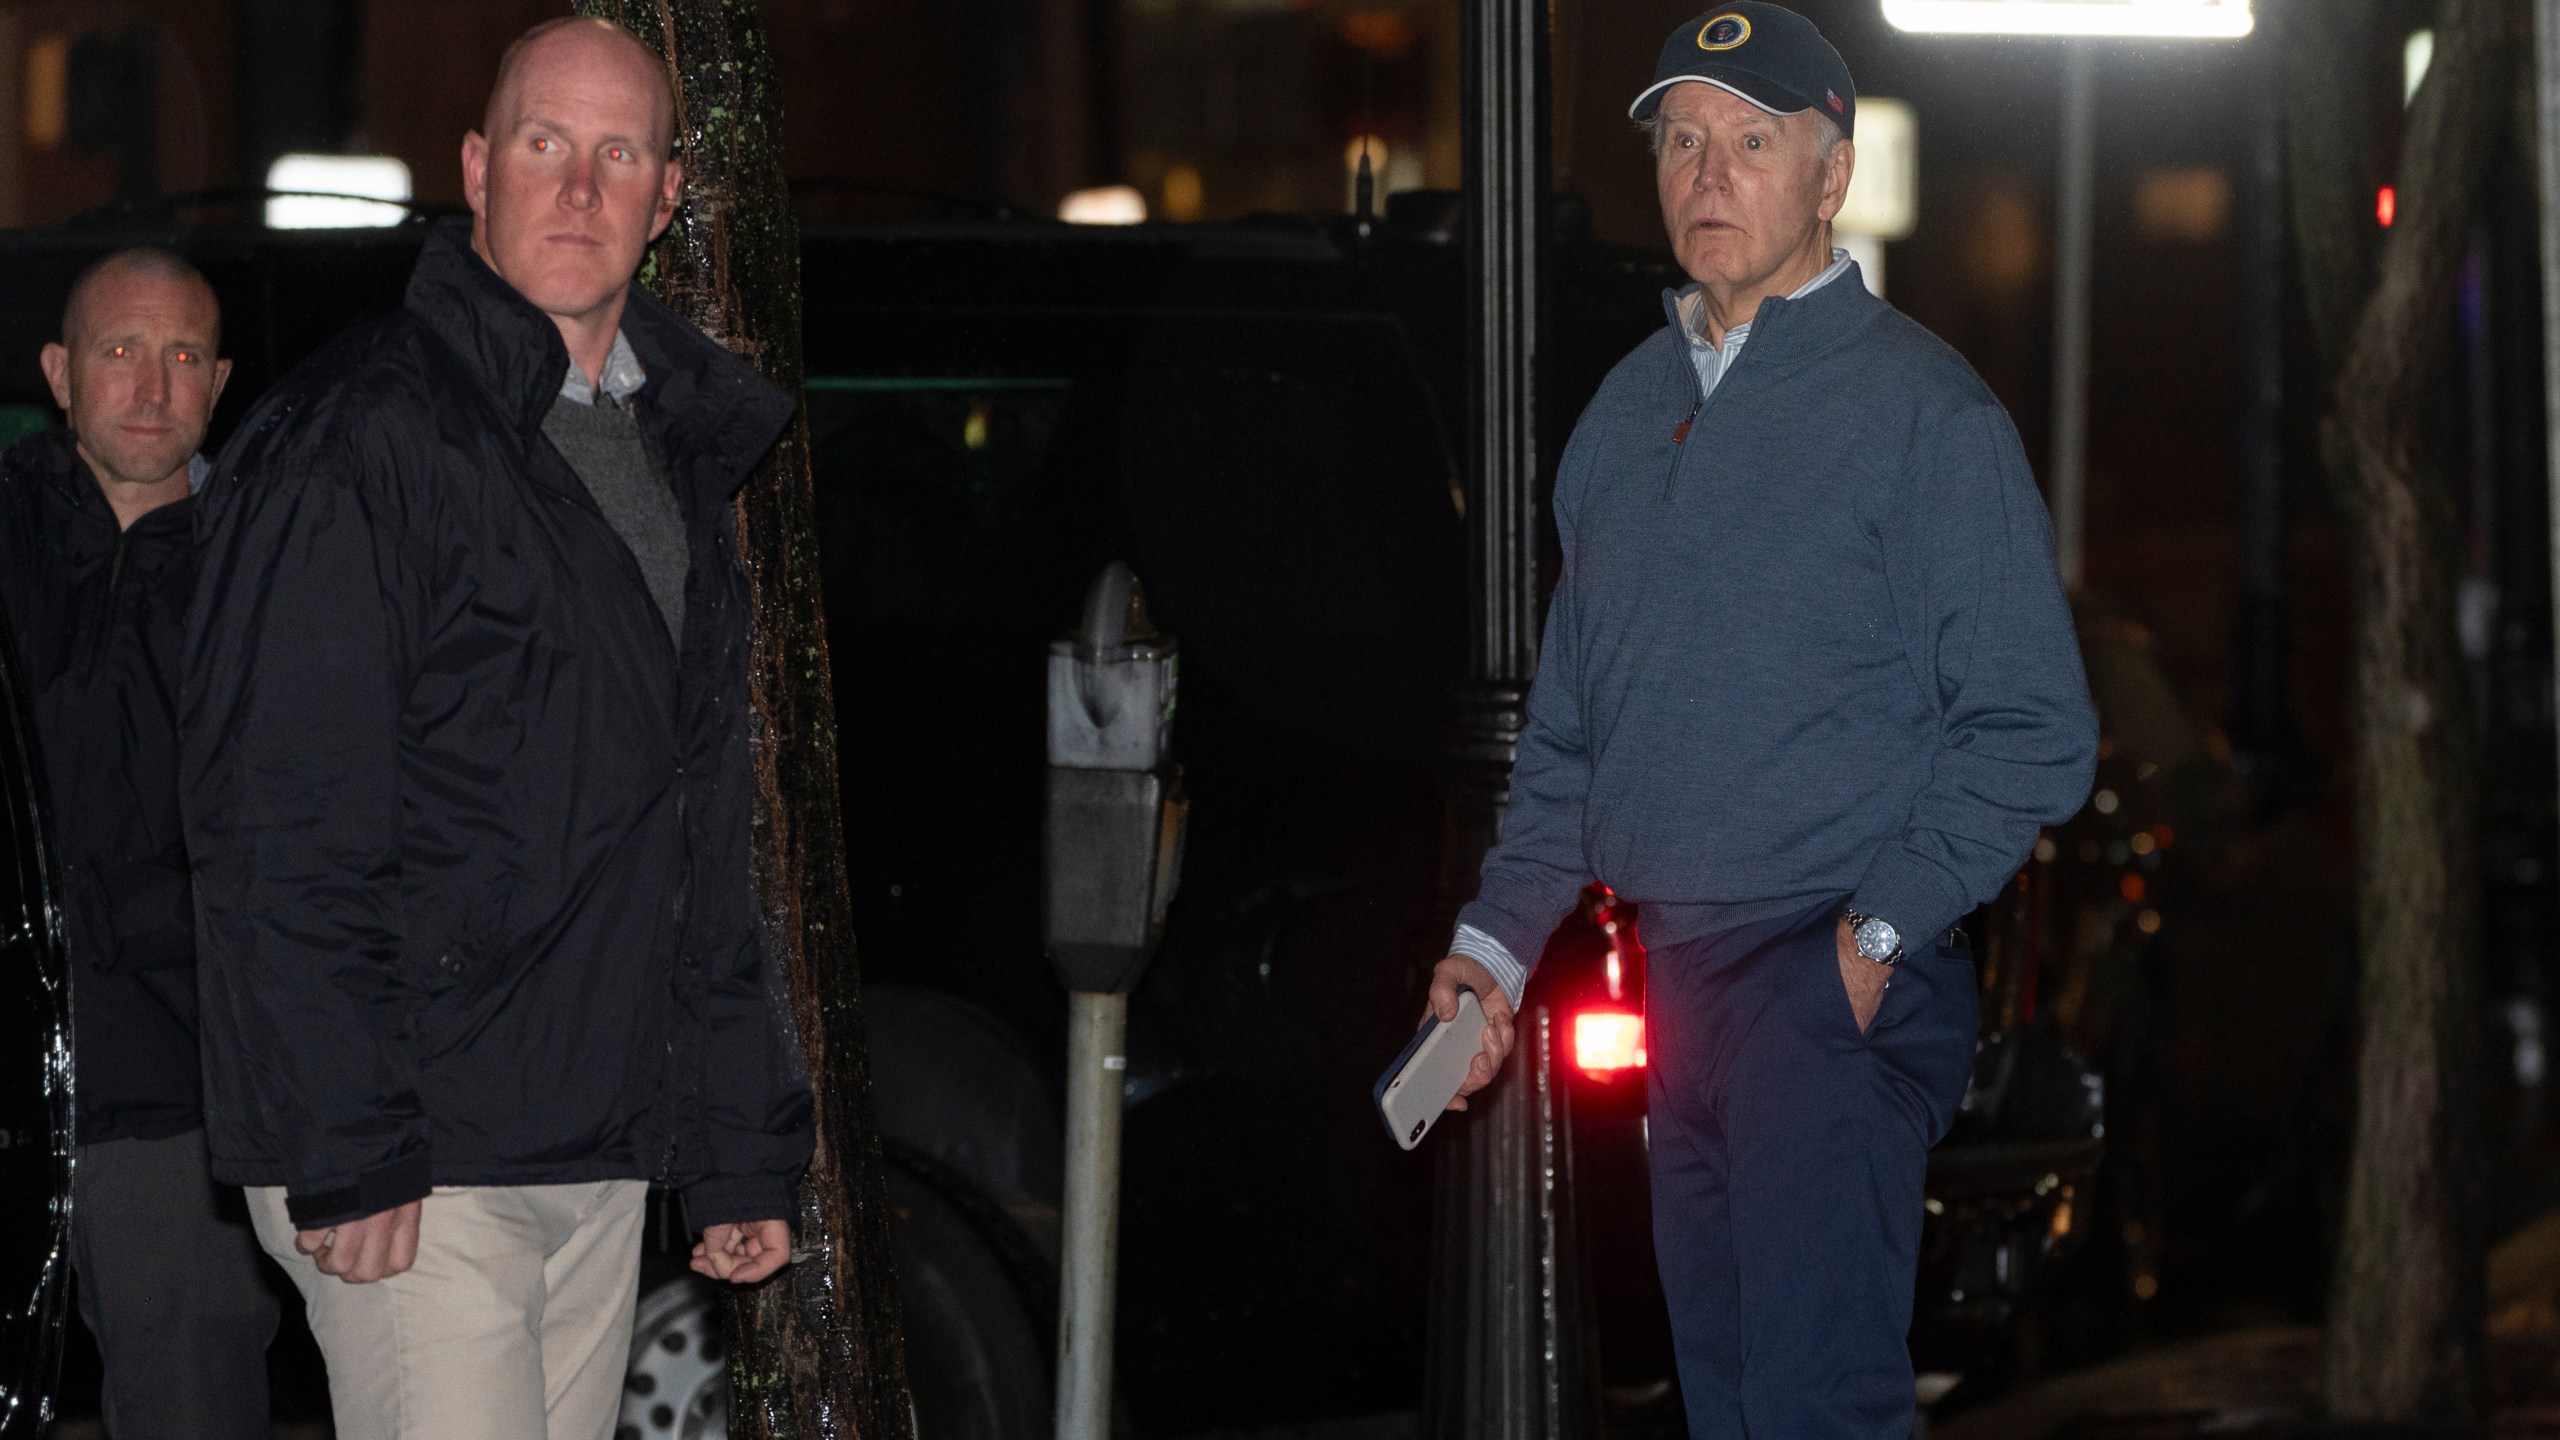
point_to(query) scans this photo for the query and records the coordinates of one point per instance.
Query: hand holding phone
(1458, 973)
(1418, 1088)
(1471, 1017)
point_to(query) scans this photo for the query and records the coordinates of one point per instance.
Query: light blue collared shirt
(623, 376)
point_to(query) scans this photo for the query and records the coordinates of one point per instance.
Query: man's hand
(743, 1254)
(1863, 978)
(1446, 977)
(363, 1251)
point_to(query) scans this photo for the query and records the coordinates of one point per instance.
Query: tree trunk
(2330, 170)
(817, 1353)
(2405, 1322)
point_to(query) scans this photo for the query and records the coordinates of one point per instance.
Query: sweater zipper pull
(1680, 443)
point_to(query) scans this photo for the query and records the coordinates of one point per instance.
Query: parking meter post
(1097, 1030)
(1111, 857)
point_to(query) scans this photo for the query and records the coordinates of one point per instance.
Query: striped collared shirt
(1712, 363)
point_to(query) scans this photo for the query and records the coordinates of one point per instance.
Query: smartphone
(1416, 1090)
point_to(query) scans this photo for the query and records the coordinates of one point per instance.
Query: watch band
(1858, 921)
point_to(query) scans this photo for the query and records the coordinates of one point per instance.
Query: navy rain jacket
(471, 836)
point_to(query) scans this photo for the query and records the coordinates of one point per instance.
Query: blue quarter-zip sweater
(1808, 642)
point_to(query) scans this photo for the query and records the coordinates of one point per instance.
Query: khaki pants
(515, 1324)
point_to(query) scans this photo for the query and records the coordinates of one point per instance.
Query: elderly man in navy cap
(1808, 690)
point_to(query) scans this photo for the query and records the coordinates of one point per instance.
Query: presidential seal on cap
(1768, 55)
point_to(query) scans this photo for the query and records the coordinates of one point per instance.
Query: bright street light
(2159, 19)
(2081, 21)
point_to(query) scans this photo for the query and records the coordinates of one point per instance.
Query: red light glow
(1608, 1041)
(2386, 206)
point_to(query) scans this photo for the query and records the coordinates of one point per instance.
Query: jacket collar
(49, 460)
(1785, 333)
(511, 346)
(714, 414)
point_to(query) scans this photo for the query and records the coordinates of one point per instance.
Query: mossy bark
(818, 1352)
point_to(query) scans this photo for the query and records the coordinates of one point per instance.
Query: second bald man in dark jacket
(97, 562)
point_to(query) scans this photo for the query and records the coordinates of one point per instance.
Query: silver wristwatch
(1875, 938)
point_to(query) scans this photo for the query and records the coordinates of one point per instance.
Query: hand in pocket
(1862, 978)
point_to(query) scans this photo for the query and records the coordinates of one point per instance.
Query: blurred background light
(2416, 54)
(1391, 168)
(1185, 195)
(339, 192)
(2188, 204)
(1884, 190)
(1104, 205)
(48, 92)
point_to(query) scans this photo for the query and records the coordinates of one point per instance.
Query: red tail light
(1608, 1041)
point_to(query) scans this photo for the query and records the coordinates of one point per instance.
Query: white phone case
(1416, 1090)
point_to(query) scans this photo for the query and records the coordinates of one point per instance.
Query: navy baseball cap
(1767, 54)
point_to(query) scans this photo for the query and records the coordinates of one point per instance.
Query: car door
(35, 1079)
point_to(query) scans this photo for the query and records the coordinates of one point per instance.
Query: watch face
(1877, 940)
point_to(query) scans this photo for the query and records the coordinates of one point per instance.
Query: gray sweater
(1816, 651)
(601, 440)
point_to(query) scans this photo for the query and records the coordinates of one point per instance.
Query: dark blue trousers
(1788, 1155)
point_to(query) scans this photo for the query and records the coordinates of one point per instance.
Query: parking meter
(1113, 843)
(1111, 854)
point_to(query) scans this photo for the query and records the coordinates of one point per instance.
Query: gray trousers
(172, 1285)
